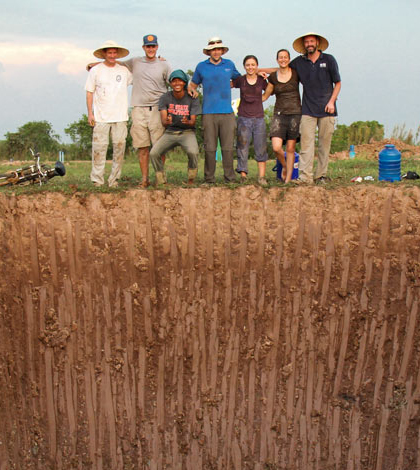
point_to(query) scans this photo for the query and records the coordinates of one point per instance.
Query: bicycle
(32, 174)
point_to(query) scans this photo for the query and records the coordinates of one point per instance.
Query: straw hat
(122, 52)
(215, 43)
(299, 47)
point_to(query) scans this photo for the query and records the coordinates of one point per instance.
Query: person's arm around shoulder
(235, 73)
(91, 65)
(192, 89)
(126, 63)
(236, 82)
(264, 72)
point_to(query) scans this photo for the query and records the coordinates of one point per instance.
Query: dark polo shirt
(318, 82)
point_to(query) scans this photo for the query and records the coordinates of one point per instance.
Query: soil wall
(211, 329)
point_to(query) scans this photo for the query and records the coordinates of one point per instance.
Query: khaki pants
(100, 146)
(185, 139)
(308, 126)
(147, 128)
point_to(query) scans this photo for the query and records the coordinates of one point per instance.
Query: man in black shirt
(178, 112)
(319, 75)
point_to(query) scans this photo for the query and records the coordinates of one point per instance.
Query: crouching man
(178, 112)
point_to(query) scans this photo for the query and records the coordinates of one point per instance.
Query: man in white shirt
(107, 105)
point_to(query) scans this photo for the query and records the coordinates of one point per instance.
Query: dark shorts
(285, 126)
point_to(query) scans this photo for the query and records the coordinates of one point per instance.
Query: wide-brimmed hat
(122, 52)
(299, 47)
(215, 43)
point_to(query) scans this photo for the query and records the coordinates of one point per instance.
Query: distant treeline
(41, 136)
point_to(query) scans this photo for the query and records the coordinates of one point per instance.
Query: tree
(80, 133)
(37, 135)
(359, 132)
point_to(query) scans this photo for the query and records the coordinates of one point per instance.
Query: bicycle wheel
(9, 178)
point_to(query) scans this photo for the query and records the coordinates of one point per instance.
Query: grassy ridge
(77, 177)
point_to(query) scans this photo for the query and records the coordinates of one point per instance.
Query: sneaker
(299, 181)
(322, 180)
(97, 185)
(262, 181)
(243, 179)
(113, 185)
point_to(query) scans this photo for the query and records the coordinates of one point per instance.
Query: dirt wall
(211, 329)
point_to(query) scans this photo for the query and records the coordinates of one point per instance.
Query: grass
(77, 177)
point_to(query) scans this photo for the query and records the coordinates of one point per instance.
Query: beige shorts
(147, 127)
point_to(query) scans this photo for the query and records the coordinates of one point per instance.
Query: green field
(77, 177)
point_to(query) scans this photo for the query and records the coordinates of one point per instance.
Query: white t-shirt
(109, 88)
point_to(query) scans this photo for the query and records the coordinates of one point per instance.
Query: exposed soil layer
(211, 329)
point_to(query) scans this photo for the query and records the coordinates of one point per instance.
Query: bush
(359, 132)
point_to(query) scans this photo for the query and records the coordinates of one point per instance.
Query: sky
(45, 46)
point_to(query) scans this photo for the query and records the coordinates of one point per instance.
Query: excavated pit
(211, 329)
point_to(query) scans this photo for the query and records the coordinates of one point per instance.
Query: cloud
(70, 59)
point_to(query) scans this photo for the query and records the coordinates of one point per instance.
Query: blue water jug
(389, 164)
(352, 152)
(279, 167)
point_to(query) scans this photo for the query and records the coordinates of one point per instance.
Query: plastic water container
(279, 167)
(352, 152)
(389, 164)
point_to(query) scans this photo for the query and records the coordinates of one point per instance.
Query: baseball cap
(150, 40)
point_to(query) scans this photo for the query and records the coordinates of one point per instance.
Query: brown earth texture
(211, 329)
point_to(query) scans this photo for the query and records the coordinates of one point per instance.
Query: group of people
(162, 120)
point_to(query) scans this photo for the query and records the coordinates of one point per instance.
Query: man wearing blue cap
(178, 112)
(150, 75)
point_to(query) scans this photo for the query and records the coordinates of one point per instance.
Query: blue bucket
(279, 167)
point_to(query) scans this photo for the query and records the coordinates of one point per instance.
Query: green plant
(406, 135)
(359, 132)
(38, 135)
